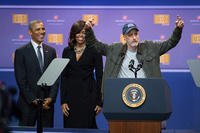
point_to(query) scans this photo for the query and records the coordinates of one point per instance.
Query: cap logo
(130, 25)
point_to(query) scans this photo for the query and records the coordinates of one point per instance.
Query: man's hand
(65, 109)
(97, 109)
(90, 23)
(179, 22)
(47, 102)
(35, 102)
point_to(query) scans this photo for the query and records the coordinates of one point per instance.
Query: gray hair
(30, 26)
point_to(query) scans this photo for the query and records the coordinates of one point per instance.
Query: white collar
(35, 45)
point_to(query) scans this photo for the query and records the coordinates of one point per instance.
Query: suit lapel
(46, 56)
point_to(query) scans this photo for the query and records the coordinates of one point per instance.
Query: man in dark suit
(31, 60)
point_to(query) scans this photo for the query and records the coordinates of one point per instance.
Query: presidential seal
(133, 95)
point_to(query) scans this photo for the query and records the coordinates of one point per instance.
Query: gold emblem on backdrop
(89, 16)
(161, 19)
(20, 18)
(122, 40)
(195, 38)
(165, 59)
(55, 38)
(133, 95)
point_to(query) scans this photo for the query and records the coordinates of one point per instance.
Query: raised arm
(164, 46)
(91, 40)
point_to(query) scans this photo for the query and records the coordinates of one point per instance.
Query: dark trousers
(29, 118)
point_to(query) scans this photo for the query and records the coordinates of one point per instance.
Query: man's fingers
(97, 109)
(179, 22)
(90, 22)
(178, 17)
(65, 109)
(45, 105)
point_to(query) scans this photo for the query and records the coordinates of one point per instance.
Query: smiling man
(31, 60)
(144, 56)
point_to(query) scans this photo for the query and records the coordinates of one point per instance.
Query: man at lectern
(135, 56)
(31, 60)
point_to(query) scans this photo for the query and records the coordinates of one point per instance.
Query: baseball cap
(128, 27)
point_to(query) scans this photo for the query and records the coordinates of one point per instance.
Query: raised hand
(179, 22)
(90, 23)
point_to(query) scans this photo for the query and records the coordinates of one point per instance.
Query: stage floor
(73, 130)
(55, 130)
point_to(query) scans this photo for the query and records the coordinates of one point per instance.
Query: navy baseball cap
(128, 27)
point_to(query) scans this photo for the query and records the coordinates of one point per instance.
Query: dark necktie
(40, 57)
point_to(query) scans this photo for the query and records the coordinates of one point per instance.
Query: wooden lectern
(145, 118)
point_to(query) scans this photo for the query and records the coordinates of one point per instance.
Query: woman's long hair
(76, 28)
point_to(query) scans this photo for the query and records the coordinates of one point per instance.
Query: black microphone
(133, 69)
(139, 66)
(131, 65)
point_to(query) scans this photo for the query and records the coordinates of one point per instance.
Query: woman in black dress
(81, 96)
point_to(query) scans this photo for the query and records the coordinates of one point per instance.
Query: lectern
(194, 66)
(136, 105)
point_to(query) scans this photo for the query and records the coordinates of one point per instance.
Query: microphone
(139, 66)
(131, 65)
(133, 69)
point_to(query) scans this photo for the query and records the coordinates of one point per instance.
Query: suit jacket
(28, 72)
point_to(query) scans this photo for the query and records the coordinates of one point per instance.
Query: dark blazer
(81, 87)
(148, 53)
(28, 72)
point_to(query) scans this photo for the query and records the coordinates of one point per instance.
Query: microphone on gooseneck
(139, 66)
(131, 65)
(135, 69)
